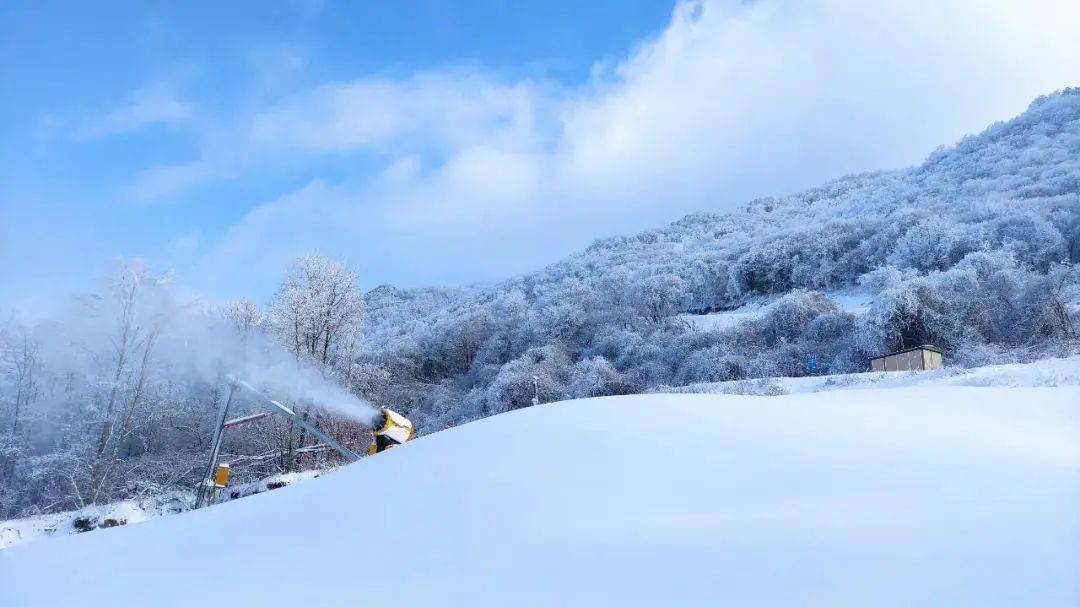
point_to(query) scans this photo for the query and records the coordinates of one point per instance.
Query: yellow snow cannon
(391, 429)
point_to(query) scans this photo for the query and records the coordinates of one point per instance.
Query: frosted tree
(659, 296)
(132, 313)
(596, 376)
(245, 318)
(317, 312)
(19, 363)
(317, 309)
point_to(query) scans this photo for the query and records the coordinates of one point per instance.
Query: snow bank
(939, 495)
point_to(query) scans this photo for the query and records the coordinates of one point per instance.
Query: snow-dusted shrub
(540, 374)
(658, 297)
(934, 244)
(596, 376)
(712, 364)
(1033, 239)
(792, 314)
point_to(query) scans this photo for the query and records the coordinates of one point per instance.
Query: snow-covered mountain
(975, 250)
(911, 496)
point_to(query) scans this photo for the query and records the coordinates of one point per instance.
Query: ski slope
(924, 495)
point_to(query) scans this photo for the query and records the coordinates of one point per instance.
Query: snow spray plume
(219, 352)
(139, 317)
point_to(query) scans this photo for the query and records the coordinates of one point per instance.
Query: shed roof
(904, 351)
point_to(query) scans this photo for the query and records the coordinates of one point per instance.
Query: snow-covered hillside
(976, 250)
(926, 495)
(1049, 372)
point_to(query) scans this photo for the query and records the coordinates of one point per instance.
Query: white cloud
(433, 110)
(733, 100)
(186, 242)
(160, 182)
(738, 99)
(154, 104)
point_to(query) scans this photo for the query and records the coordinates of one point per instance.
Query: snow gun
(391, 430)
(389, 427)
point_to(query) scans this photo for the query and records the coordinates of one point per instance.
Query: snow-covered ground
(127, 512)
(85, 519)
(856, 302)
(921, 495)
(718, 321)
(1049, 372)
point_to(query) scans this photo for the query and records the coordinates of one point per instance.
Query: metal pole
(276, 407)
(215, 446)
(247, 418)
(324, 437)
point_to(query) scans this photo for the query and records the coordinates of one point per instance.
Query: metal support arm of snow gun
(274, 406)
(390, 429)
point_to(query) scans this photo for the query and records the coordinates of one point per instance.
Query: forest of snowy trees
(977, 250)
(115, 399)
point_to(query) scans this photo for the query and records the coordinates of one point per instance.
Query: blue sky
(70, 154)
(448, 142)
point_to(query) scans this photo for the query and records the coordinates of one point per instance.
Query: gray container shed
(919, 358)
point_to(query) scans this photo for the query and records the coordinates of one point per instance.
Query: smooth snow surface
(718, 321)
(938, 495)
(856, 302)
